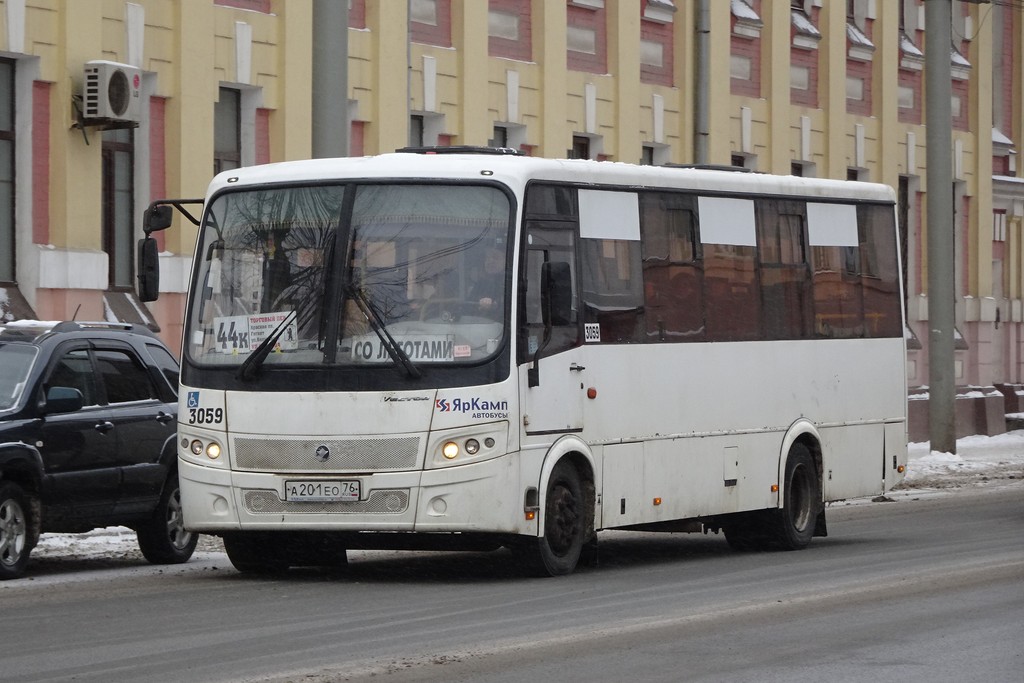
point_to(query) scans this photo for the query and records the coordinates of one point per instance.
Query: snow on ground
(980, 461)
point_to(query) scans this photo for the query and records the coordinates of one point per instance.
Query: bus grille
(300, 455)
(383, 501)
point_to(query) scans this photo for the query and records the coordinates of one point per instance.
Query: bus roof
(516, 171)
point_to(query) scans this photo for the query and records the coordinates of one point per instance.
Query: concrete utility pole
(330, 125)
(941, 316)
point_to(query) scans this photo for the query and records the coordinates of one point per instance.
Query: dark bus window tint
(732, 299)
(673, 277)
(838, 301)
(612, 288)
(550, 201)
(546, 242)
(879, 271)
(124, 377)
(784, 275)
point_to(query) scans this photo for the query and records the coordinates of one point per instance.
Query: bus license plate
(321, 491)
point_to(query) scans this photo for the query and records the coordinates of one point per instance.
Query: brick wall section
(521, 49)
(595, 19)
(751, 49)
(962, 90)
(861, 70)
(355, 143)
(262, 136)
(41, 162)
(912, 79)
(441, 34)
(658, 33)
(157, 155)
(357, 14)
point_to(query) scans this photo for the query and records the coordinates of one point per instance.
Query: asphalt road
(916, 590)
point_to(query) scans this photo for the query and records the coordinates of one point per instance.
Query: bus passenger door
(550, 355)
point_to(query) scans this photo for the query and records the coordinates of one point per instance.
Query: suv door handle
(163, 418)
(104, 427)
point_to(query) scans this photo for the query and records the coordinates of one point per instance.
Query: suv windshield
(367, 274)
(15, 363)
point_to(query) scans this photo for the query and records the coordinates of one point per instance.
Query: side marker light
(775, 488)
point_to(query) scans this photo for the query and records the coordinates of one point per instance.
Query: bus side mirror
(148, 270)
(156, 218)
(556, 293)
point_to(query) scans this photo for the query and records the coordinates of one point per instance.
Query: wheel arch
(22, 463)
(801, 432)
(577, 452)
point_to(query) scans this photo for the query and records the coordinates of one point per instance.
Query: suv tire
(14, 546)
(164, 539)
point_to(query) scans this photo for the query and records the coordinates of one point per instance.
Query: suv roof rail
(461, 149)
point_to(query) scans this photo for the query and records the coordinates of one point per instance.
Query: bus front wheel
(558, 551)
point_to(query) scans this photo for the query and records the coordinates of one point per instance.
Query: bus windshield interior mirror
(149, 269)
(555, 306)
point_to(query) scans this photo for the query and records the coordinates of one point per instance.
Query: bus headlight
(211, 449)
(467, 445)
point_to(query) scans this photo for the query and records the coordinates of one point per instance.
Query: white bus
(472, 350)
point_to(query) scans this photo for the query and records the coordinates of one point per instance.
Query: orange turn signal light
(775, 488)
(657, 500)
(901, 469)
(530, 515)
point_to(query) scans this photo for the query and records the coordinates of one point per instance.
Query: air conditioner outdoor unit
(111, 92)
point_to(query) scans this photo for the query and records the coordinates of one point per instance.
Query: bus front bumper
(483, 497)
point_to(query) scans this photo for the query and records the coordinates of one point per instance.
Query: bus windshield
(359, 274)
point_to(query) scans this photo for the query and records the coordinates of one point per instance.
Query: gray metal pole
(941, 315)
(330, 125)
(703, 64)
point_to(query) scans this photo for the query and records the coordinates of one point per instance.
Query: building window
(656, 47)
(430, 22)
(745, 50)
(118, 206)
(416, 130)
(509, 29)
(227, 126)
(580, 147)
(586, 36)
(7, 272)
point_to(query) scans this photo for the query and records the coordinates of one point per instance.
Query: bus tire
(14, 531)
(792, 526)
(558, 551)
(255, 552)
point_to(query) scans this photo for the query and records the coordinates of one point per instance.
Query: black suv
(88, 413)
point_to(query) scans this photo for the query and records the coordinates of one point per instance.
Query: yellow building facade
(813, 87)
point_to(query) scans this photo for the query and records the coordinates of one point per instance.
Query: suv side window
(124, 377)
(74, 369)
(167, 364)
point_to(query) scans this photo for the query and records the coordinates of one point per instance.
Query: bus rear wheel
(792, 526)
(566, 526)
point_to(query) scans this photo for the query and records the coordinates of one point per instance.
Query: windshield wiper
(377, 324)
(251, 365)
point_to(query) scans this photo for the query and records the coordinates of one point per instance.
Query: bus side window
(672, 269)
(546, 245)
(613, 288)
